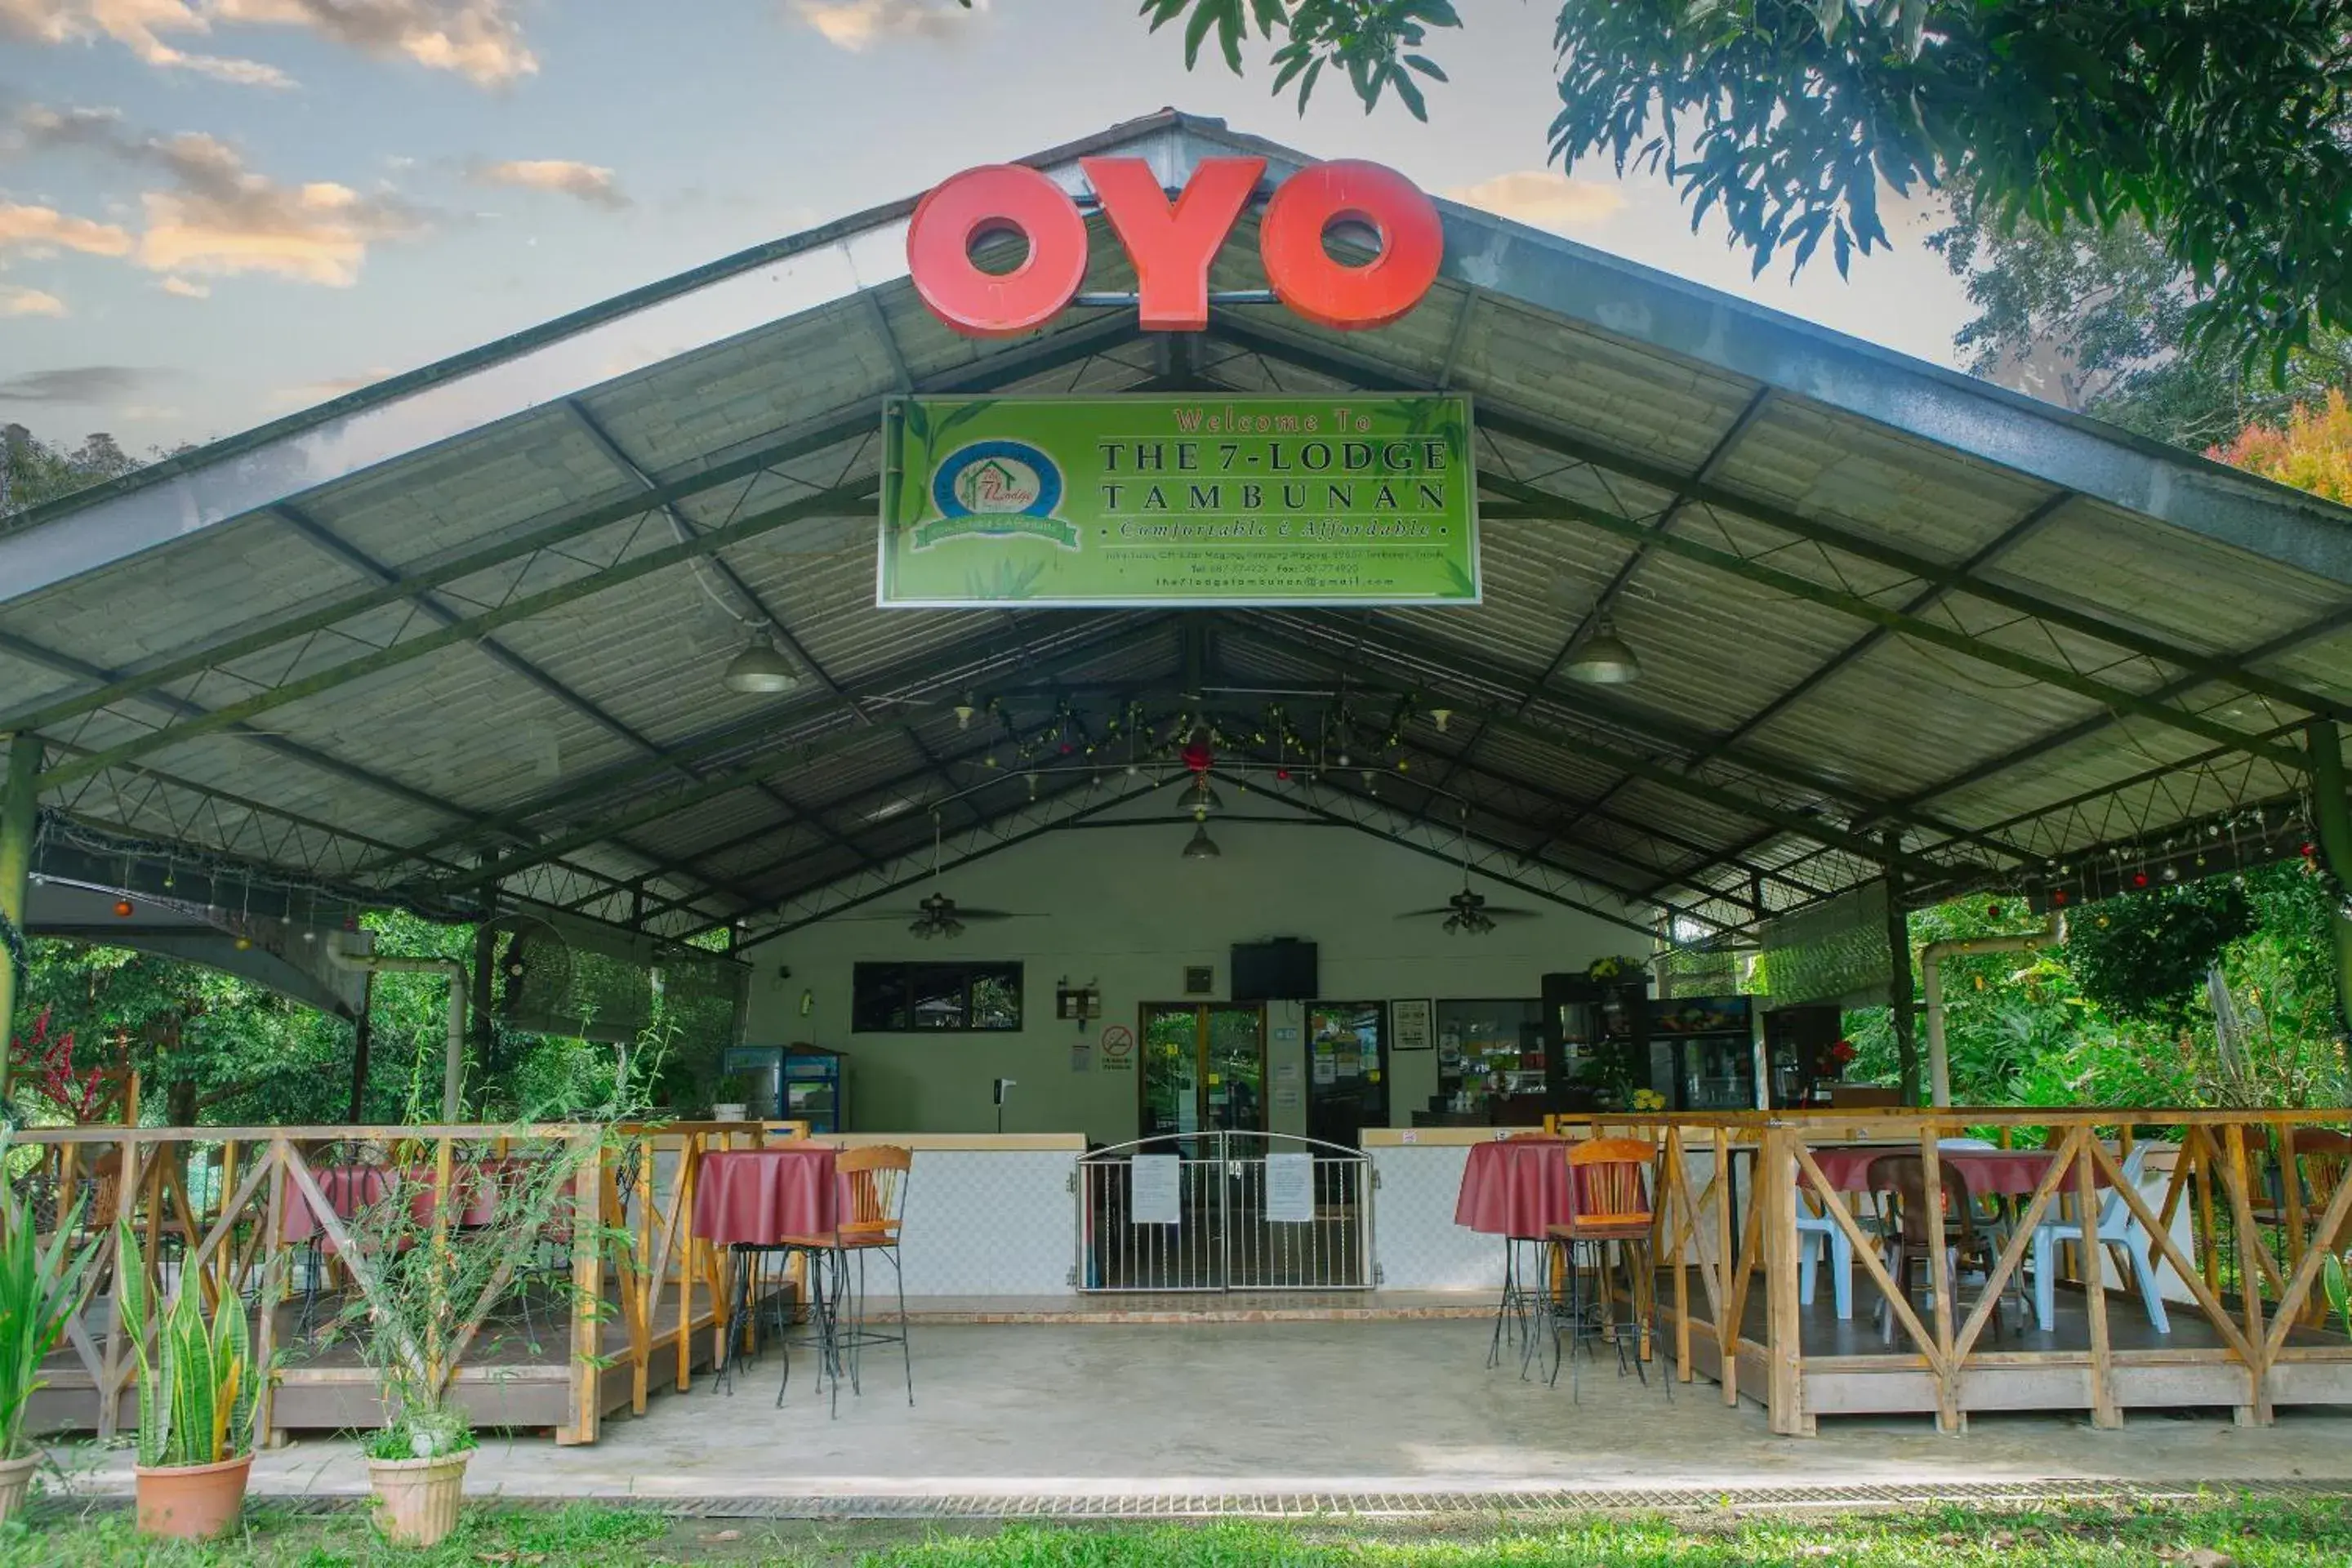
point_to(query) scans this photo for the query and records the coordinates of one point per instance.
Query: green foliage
(197, 1392)
(2098, 319)
(2144, 956)
(41, 1288)
(2221, 129)
(32, 472)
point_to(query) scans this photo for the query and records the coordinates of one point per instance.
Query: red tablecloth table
(1515, 1186)
(757, 1196)
(2014, 1172)
(351, 1189)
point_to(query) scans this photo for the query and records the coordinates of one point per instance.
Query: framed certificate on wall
(1409, 1021)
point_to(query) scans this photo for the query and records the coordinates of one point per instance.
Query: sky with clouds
(215, 212)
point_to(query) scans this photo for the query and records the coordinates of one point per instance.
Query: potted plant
(195, 1402)
(730, 1100)
(420, 1282)
(40, 1289)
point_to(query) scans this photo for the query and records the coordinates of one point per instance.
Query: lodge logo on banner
(996, 490)
(1100, 502)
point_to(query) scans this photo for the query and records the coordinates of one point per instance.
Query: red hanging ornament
(1992, 911)
(1198, 756)
(2140, 878)
(2058, 896)
(122, 908)
(1282, 774)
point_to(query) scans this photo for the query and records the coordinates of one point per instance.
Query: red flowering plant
(47, 1061)
(1841, 1056)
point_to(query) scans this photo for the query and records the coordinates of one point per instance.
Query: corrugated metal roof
(1870, 598)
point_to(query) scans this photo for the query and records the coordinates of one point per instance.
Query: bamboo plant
(40, 1289)
(196, 1393)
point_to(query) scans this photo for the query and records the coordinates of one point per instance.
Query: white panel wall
(1119, 906)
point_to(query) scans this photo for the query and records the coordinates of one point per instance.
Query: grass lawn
(2221, 1532)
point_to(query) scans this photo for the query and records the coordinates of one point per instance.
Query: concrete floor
(1294, 1407)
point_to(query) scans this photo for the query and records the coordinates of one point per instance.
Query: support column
(1898, 972)
(2333, 817)
(362, 1038)
(19, 815)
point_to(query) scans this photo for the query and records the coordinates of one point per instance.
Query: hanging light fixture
(1441, 717)
(1202, 847)
(1204, 799)
(1606, 659)
(965, 710)
(760, 669)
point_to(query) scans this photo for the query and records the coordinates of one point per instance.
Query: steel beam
(20, 816)
(825, 503)
(860, 419)
(2024, 528)
(1499, 415)
(1726, 800)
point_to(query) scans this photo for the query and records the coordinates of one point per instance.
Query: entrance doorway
(1203, 1068)
(1348, 1075)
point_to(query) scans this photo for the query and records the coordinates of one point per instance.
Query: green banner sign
(1103, 501)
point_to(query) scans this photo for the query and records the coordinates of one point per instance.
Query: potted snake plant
(40, 1289)
(195, 1404)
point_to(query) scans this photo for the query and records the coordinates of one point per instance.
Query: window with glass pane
(935, 998)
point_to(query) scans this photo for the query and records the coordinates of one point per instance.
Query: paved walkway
(1031, 1412)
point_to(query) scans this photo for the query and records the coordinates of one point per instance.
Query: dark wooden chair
(1899, 1181)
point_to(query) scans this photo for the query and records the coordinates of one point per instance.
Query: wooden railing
(2266, 1196)
(211, 1207)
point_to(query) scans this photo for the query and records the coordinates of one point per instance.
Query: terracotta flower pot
(16, 1481)
(417, 1499)
(192, 1503)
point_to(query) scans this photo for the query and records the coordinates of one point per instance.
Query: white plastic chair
(2117, 1226)
(1812, 1230)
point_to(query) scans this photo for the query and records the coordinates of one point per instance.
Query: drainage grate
(1540, 1502)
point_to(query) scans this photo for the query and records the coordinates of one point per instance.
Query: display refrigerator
(1702, 1052)
(798, 1082)
(1595, 1041)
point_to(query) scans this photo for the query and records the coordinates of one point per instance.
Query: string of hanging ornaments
(2231, 841)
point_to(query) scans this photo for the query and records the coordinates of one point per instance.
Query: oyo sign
(1172, 244)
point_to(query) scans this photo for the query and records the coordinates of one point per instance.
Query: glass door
(1203, 1068)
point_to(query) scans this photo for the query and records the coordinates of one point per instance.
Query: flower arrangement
(1617, 967)
(1648, 1099)
(1842, 1055)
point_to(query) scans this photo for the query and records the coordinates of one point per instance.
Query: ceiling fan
(1467, 912)
(938, 915)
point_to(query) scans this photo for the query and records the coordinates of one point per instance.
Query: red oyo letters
(1174, 246)
(979, 201)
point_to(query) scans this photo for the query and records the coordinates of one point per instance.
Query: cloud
(220, 217)
(186, 289)
(1543, 198)
(589, 182)
(15, 301)
(138, 26)
(84, 384)
(859, 25)
(46, 228)
(477, 40)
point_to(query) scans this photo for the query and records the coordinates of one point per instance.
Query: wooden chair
(873, 1197)
(1899, 1183)
(1609, 1198)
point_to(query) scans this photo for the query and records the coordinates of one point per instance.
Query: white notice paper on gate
(1153, 1198)
(1290, 1188)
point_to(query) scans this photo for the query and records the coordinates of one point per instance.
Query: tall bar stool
(874, 1189)
(1609, 1192)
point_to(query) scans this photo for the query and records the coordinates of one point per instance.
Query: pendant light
(1202, 847)
(1606, 659)
(760, 669)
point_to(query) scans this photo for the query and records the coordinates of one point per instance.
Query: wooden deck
(516, 1376)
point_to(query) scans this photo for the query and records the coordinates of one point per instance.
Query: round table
(756, 1198)
(1515, 1187)
(2012, 1173)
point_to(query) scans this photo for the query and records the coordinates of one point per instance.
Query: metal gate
(1225, 1211)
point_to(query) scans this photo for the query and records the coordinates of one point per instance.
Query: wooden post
(587, 1290)
(2208, 1238)
(225, 1281)
(2250, 1274)
(2291, 1183)
(444, 1168)
(2104, 1413)
(274, 1256)
(1940, 1283)
(1782, 1325)
(1678, 1181)
(649, 1267)
(689, 1159)
(1726, 1330)
(2332, 815)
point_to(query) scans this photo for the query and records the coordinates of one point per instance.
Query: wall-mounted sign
(1097, 503)
(1411, 1021)
(1117, 1049)
(1171, 245)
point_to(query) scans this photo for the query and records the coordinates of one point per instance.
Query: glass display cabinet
(1490, 1060)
